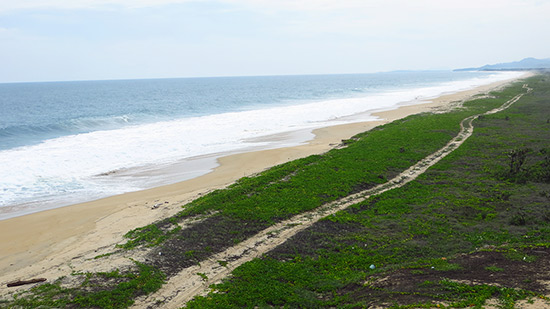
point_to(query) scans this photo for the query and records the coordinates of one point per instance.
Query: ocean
(67, 142)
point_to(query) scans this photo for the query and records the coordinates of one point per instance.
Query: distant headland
(526, 64)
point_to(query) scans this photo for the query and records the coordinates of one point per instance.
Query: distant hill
(525, 64)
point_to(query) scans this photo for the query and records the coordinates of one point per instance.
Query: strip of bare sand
(45, 244)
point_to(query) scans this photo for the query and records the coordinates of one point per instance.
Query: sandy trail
(188, 283)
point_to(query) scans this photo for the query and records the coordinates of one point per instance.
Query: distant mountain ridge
(522, 65)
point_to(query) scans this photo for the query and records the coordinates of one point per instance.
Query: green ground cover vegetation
(113, 289)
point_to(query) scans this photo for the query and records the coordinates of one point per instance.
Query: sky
(53, 40)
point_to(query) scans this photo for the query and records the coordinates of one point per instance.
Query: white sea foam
(66, 169)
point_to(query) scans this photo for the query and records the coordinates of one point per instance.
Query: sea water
(68, 142)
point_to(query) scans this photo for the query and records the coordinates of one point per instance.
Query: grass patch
(103, 255)
(464, 295)
(493, 268)
(150, 235)
(97, 290)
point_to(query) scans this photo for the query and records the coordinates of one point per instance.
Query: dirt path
(196, 280)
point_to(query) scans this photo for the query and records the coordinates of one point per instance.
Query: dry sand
(49, 244)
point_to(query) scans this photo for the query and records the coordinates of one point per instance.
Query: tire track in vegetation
(195, 280)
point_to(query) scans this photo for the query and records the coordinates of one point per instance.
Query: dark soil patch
(420, 285)
(312, 240)
(196, 243)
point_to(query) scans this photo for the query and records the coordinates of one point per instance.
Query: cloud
(364, 6)
(8, 5)
(6, 33)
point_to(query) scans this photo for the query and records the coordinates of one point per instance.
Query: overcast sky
(46, 40)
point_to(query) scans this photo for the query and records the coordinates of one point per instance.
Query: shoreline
(44, 241)
(78, 168)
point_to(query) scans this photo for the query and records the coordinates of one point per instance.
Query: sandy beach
(50, 243)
